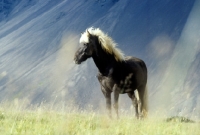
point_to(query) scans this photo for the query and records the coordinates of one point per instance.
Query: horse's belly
(123, 87)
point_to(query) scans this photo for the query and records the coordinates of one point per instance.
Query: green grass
(41, 122)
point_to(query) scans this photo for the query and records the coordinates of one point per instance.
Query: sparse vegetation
(43, 122)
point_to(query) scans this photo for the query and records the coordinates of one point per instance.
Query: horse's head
(86, 49)
(92, 41)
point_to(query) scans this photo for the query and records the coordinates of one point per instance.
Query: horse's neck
(104, 62)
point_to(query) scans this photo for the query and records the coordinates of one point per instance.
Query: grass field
(42, 122)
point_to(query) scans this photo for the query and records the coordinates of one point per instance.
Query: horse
(117, 73)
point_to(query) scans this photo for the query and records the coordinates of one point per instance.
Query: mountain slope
(38, 40)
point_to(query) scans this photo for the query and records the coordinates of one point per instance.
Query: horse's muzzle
(77, 62)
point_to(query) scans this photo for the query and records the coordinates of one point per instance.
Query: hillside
(38, 40)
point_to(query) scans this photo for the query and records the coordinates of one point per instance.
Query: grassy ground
(41, 122)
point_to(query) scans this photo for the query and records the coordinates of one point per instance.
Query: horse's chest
(106, 82)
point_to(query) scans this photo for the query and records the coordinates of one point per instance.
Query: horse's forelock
(84, 38)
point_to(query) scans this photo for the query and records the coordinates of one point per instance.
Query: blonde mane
(106, 42)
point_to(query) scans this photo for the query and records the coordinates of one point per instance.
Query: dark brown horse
(117, 74)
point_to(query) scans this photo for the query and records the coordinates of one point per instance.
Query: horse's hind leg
(143, 95)
(139, 105)
(134, 102)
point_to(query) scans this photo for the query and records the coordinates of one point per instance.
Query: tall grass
(41, 121)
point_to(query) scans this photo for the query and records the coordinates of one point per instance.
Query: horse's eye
(86, 44)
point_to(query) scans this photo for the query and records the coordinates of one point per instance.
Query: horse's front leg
(107, 95)
(116, 97)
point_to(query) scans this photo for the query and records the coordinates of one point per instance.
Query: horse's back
(138, 67)
(133, 61)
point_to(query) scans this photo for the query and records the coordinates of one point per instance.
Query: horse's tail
(144, 101)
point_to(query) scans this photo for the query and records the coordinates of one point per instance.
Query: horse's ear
(88, 33)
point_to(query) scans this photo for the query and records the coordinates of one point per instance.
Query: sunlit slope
(38, 40)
